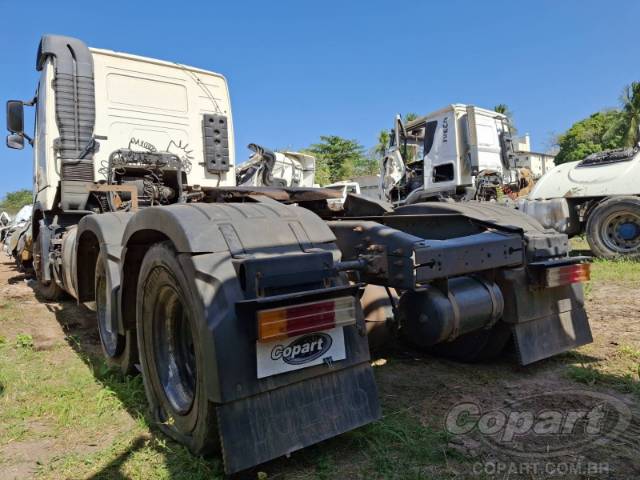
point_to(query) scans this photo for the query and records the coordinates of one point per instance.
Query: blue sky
(298, 70)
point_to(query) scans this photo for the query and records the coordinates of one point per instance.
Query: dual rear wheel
(165, 343)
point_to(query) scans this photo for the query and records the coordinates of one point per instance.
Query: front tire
(120, 351)
(613, 228)
(172, 359)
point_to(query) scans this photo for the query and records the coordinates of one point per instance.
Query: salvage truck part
(598, 197)
(247, 306)
(461, 152)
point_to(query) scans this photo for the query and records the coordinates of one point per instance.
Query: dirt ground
(416, 390)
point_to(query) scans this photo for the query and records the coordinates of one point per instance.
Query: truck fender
(209, 228)
(211, 241)
(595, 201)
(95, 233)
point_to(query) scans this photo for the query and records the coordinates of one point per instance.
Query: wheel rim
(620, 232)
(174, 349)
(108, 337)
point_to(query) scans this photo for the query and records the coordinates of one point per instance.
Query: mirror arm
(31, 103)
(29, 139)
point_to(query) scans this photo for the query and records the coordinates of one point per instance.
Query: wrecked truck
(248, 307)
(598, 197)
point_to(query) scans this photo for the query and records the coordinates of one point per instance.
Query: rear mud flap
(551, 335)
(260, 428)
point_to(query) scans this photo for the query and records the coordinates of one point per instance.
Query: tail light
(566, 274)
(295, 320)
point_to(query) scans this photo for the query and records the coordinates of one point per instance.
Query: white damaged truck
(598, 197)
(459, 152)
(248, 306)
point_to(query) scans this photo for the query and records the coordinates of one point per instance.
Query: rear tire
(476, 346)
(172, 359)
(613, 228)
(120, 351)
(50, 290)
(377, 309)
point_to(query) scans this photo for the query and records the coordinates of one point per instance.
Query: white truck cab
(103, 101)
(443, 152)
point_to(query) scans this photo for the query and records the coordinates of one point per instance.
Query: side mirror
(15, 141)
(15, 116)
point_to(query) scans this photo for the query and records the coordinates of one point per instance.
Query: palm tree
(383, 143)
(380, 149)
(409, 117)
(630, 100)
(503, 108)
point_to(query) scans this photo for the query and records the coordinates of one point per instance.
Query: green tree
(630, 115)
(383, 143)
(504, 109)
(411, 116)
(14, 201)
(337, 158)
(369, 165)
(600, 131)
(322, 174)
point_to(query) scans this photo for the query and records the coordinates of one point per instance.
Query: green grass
(97, 420)
(400, 447)
(24, 340)
(97, 415)
(594, 376)
(396, 447)
(7, 310)
(619, 270)
(620, 372)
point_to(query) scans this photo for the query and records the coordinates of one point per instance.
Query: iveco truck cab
(454, 152)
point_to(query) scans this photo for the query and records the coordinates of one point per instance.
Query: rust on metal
(131, 189)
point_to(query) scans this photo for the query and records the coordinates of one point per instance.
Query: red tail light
(295, 320)
(566, 274)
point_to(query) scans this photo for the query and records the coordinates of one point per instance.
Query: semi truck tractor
(248, 307)
(460, 152)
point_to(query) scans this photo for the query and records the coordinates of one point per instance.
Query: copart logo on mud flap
(544, 425)
(302, 350)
